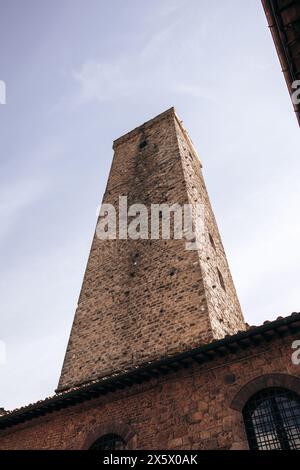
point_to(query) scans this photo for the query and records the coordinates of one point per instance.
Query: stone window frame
(282, 419)
(276, 379)
(290, 382)
(124, 431)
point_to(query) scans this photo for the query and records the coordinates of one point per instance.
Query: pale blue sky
(80, 74)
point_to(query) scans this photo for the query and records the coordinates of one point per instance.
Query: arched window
(109, 442)
(272, 419)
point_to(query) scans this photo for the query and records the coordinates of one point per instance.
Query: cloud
(47, 285)
(25, 187)
(167, 8)
(156, 66)
(263, 252)
(14, 198)
(198, 92)
(102, 81)
(109, 81)
(159, 41)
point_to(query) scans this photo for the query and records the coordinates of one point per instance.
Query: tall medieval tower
(142, 300)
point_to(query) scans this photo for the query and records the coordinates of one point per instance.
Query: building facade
(159, 355)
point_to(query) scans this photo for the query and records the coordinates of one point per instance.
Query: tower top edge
(136, 130)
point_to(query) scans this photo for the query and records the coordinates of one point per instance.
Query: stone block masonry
(197, 408)
(144, 299)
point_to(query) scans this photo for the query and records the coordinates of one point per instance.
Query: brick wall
(190, 409)
(144, 299)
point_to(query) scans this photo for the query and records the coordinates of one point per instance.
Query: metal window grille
(272, 419)
(109, 442)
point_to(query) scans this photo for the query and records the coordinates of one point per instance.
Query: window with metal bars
(272, 419)
(109, 442)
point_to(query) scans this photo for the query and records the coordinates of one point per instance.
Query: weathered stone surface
(144, 299)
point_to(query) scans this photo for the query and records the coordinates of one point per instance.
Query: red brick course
(190, 409)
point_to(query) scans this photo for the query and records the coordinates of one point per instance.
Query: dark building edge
(278, 27)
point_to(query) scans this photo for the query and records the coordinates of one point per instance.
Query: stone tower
(144, 299)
